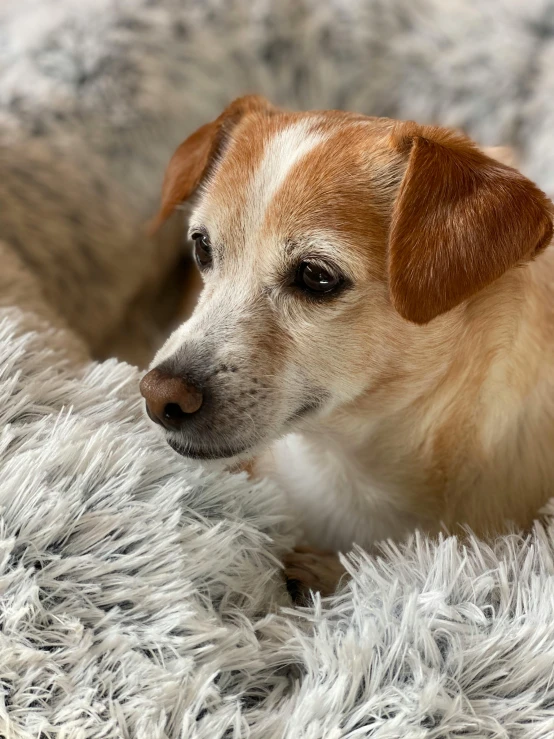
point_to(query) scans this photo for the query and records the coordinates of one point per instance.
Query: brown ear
(460, 220)
(191, 161)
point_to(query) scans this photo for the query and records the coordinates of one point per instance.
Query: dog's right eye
(318, 278)
(202, 250)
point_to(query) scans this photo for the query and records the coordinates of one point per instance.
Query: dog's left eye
(202, 250)
(317, 279)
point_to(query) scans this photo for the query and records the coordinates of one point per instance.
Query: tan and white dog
(376, 327)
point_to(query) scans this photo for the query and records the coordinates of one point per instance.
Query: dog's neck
(424, 445)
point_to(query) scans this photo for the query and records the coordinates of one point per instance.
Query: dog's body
(379, 298)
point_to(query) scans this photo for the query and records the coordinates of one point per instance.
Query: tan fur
(444, 419)
(83, 241)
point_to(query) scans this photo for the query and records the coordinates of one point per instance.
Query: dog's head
(319, 236)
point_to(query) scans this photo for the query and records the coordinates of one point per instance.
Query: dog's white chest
(336, 501)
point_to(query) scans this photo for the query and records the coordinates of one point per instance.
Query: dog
(375, 331)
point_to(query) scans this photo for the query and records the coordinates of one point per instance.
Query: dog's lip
(186, 450)
(308, 407)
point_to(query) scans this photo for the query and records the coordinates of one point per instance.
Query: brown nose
(169, 399)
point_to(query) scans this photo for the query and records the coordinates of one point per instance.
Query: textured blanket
(140, 595)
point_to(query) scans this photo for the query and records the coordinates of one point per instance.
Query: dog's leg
(309, 569)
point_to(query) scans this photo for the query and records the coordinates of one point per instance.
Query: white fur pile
(140, 595)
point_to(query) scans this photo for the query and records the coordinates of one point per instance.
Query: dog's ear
(460, 220)
(191, 161)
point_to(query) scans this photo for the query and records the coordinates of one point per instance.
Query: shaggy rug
(141, 595)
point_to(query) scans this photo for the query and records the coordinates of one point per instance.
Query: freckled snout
(169, 399)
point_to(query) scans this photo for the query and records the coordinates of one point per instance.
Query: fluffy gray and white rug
(140, 596)
(128, 79)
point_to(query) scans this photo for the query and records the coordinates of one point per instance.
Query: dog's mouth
(188, 450)
(306, 408)
(193, 451)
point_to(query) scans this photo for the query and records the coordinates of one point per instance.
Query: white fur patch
(336, 501)
(283, 151)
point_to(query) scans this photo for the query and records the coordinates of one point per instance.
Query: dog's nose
(169, 399)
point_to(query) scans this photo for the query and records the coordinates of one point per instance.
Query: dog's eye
(317, 278)
(202, 250)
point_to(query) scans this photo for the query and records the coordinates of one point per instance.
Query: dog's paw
(308, 569)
